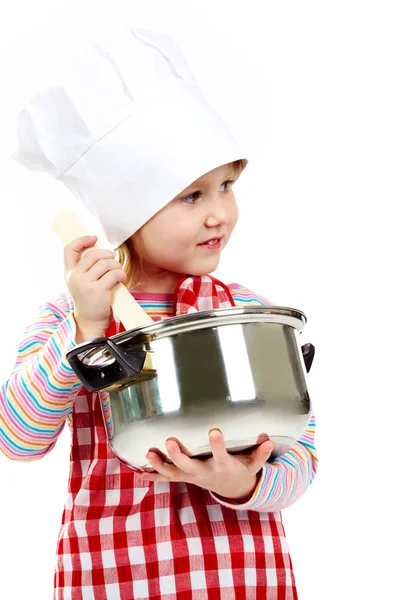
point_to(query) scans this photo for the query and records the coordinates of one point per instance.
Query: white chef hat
(124, 125)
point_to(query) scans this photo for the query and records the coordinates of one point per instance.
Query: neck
(161, 284)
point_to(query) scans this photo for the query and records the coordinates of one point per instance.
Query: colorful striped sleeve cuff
(37, 397)
(284, 480)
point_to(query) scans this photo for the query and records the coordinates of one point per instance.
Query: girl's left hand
(233, 477)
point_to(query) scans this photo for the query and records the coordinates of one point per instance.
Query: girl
(192, 529)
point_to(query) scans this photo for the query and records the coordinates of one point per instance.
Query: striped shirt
(122, 538)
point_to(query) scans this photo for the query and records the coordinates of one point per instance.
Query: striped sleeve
(284, 480)
(242, 296)
(37, 397)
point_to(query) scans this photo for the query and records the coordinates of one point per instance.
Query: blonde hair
(128, 253)
(130, 258)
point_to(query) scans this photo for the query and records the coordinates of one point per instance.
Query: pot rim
(207, 319)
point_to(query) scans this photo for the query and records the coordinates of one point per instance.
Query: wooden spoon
(68, 227)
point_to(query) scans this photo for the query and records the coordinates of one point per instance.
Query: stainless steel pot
(239, 369)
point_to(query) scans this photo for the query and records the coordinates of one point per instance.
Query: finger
(91, 257)
(110, 279)
(259, 456)
(73, 250)
(159, 452)
(170, 471)
(262, 437)
(183, 462)
(182, 447)
(153, 477)
(101, 267)
(218, 449)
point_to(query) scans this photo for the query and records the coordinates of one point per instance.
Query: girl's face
(188, 235)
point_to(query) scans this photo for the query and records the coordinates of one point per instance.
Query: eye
(228, 183)
(191, 198)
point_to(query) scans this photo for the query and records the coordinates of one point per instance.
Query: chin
(204, 269)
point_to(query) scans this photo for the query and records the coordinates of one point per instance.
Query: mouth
(213, 243)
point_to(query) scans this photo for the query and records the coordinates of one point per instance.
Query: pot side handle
(97, 377)
(308, 351)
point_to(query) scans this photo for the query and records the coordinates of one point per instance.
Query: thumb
(260, 455)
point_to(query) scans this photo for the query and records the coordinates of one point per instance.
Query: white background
(312, 90)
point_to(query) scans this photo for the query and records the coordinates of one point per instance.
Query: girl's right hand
(90, 279)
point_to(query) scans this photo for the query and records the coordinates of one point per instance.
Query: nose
(219, 211)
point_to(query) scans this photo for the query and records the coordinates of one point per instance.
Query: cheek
(234, 216)
(174, 236)
(178, 231)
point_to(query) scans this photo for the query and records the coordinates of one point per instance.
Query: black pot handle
(97, 377)
(308, 355)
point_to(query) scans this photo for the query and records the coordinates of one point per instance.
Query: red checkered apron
(124, 539)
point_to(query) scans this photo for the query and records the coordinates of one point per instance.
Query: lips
(212, 241)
